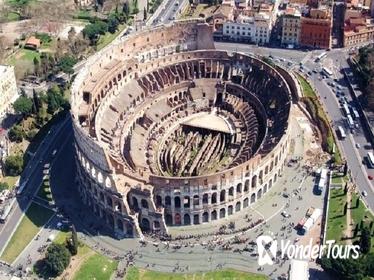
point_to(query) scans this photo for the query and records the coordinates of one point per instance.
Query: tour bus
(341, 132)
(355, 114)
(4, 215)
(322, 180)
(370, 160)
(327, 71)
(350, 122)
(346, 109)
(321, 56)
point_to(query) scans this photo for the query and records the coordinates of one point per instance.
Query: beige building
(291, 25)
(8, 88)
(358, 28)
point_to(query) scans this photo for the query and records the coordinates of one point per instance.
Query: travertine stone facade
(169, 131)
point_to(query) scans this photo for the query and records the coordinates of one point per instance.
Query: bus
(5, 213)
(370, 160)
(355, 114)
(341, 132)
(321, 56)
(346, 109)
(327, 71)
(350, 122)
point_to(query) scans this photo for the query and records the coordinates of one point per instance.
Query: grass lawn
(337, 180)
(311, 97)
(23, 61)
(10, 180)
(104, 40)
(35, 217)
(361, 214)
(337, 222)
(96, 267)
(141, 274)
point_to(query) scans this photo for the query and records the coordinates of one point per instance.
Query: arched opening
(275, 177)
(109, 202)
(196, 219)
(231, 191)
(177, 202)
(259, 193)
(167, 200)
(186, 219)
(254, 182)
(245, 202)
(260, 177)
(239, 188)
(145, 225)
(222, 213)
(237, 206)
(270, 183)
(144, 204)
(168, 219)
(158, 200)
(213, 215)
(246, 185)
(196, 200)
(214, 198)
(205, 198)
(265, 188)
(186, 203)
(156, 225)
(205, 217)
(135, 204)
(253, 198)
(222, 196)
(230, 210)
(177, 219)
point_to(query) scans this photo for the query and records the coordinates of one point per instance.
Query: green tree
(14, 165)
(16, 134)
(37, 102)
(73, 242)
(126, 9)
(23, 106)
(365, 240)
(67, 63)
(54, 99)
(57, 258)
(112, 23)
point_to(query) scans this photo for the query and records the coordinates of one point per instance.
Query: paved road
(34, 173)
(335, 61)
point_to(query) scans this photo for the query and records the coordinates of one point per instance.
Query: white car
(364, 194)
(358, 145)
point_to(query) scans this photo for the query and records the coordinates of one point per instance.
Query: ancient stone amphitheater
(170, 132)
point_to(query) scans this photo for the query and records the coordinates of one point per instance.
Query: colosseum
(170, 131)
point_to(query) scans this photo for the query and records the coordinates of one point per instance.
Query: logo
(267, 248)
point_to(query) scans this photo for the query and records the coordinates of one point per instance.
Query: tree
(355, 232)
(126, 9)
(14, 165)
(145, 14)
(55, 99)
(365, 240)
(112, 23)
(73, 242)
(36, 66)
(16, 134)
(357, 202)
(57, 258)
(23, 106)
(349, 269)
(37, 102)
(67, 63)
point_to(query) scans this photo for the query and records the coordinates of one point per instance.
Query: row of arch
(215, 214)
(207, 198)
